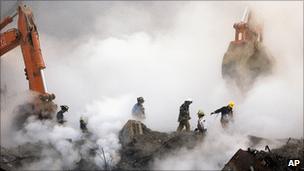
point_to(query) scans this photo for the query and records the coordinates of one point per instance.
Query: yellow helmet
(200, 113)
(231, 104)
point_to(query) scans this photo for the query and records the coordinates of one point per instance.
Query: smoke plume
(100, 56)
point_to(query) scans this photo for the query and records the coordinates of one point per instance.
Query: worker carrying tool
(227, 114)
(60, 117)
(83, 125)
(201, 123)
(138, 110)
(184, 116)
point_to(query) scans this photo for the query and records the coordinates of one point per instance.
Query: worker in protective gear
(138, 110)
(201, 126)
(60, 117)
(184, 116)
(227, 114)
(83, 125)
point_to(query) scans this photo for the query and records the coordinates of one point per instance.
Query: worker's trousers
(225, 119)
(182, 124)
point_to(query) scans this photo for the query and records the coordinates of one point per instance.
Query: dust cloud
(165, 52)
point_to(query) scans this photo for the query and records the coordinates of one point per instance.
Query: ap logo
(293, 163)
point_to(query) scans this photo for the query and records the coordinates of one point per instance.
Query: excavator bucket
(246, 57)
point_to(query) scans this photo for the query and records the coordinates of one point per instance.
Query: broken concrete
(15, 158)
(141, 147)
(22, 156)
(272, 160)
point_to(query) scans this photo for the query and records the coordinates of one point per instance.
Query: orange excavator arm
(27, 37)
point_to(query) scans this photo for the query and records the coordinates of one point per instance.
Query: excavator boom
(31, 51)
(27, 37)
(9, 40)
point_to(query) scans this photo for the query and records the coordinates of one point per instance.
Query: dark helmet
(64, 107)
(140, 99)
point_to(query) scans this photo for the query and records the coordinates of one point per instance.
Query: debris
(140, 147)
(18, 158)
(275, 160)
(267, 148)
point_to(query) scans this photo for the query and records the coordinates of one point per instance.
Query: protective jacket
(83, 125)
(138, 111)
(225, 110)
(201, 125)
(184, 113)
(60, 116)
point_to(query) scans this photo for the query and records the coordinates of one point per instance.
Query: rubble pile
(140, 145)
(15, 158)
(270, 160)
(23, 156)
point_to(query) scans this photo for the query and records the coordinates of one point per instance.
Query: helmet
(200, 113)
(84, 119)
(188, 100)
(231, 104)
(64, 107)
(140, 99)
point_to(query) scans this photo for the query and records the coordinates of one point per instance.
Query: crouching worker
(201, 123)
(60, 116)
(227, 114)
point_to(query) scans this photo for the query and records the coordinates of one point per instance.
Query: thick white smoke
(100, 73)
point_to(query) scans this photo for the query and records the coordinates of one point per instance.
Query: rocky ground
(141, 145)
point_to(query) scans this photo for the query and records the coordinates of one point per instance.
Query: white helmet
(188, 100)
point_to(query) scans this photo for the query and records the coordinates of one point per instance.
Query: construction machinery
(246, 57)
(26, 36)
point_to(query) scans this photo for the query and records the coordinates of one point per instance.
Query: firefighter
(138, 110)
(201, 123)
(60, 117)
(83, 125)
(226, 114)
(184, 116)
